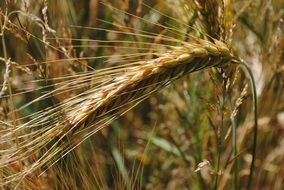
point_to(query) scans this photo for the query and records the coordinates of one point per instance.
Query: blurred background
(182, 136)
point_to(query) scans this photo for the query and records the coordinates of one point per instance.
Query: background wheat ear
(132, 66)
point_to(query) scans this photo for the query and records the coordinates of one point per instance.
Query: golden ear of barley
(149, 76)
(93, 111)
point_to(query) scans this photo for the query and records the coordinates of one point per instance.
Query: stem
(235, 150)
(220, 134)
(13, 109)
(5, 54)
(217, 170)
(249, 74)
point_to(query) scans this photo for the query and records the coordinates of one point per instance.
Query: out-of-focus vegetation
(179, 138)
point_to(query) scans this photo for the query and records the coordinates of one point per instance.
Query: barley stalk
(85, 115)
(49, 134)
(149, 76)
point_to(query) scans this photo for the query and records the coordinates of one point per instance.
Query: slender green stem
(235, 150)
(217, 170)
(220, 134)
(249, 74)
